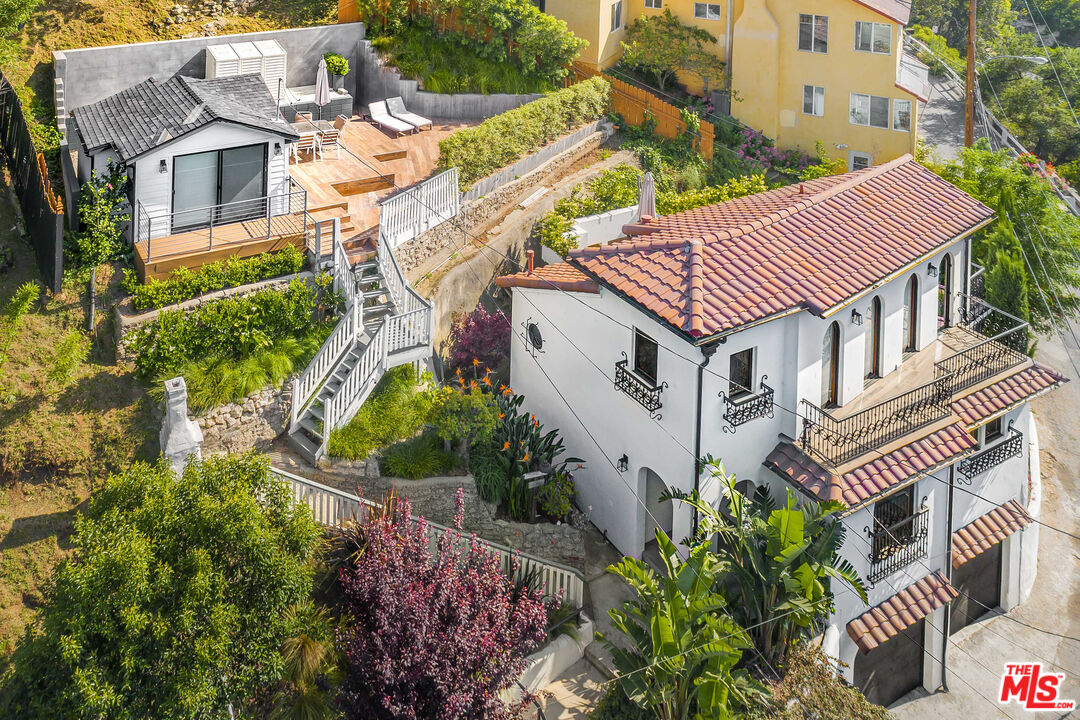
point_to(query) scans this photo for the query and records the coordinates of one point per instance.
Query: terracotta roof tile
(815, 245)
(560, 276)
(991, 400)
(898, 10)
(907, 607)
(987, 531)
(790, 461)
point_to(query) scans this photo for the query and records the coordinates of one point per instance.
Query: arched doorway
(830, 366)
(911, 315)
(945, 275)
(873, 340)
(657, 513)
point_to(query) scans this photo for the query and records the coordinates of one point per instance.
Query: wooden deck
(375, 163)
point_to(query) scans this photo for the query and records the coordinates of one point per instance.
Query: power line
(1061, 85)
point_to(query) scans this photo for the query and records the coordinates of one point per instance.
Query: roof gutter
(707, 353)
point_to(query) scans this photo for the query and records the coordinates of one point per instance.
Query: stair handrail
(332, 507)
(391, 271)
(336, 408)
(344, 280)
(340, 341)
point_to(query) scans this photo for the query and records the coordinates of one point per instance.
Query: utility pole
(969, 95)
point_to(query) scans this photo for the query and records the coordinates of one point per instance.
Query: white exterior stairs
(386, 324)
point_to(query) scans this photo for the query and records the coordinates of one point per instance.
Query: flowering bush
(758, 154)
(428, 636)
(480, 335)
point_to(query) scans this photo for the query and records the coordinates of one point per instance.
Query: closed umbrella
(647, 196)
(322, 87)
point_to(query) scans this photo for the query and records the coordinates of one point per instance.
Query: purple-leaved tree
(479, 335)
(431, 635)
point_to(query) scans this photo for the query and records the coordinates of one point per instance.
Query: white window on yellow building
(706, 11)
(813, 100)
(873, 37)
(901, 118)
(616, 16)
(654, 4)
(869, 110)
(814, 33)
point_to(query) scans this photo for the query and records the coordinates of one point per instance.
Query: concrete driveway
(1046, 628)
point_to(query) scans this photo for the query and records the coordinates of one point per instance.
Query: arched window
(873, 340)
(911, 315)
(945, 274)
(830, 366)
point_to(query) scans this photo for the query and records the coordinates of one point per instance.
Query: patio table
(312, 127)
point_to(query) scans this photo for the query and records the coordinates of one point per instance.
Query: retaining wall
(379, 81)
(87, 75)
(248, 424)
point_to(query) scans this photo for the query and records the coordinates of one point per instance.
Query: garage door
(979, 583)
(887, 673)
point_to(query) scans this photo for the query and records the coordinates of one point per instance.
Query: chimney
(531, 253)
(180, 438)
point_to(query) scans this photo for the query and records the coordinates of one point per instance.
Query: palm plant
(683, 643)
(311, 667)
(776, 563)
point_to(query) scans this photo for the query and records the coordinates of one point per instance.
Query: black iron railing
(646, 394)
(1005, 345)
(1010, 447)
(748, 406)
(837, 441)
(896, 546)
(978, 281)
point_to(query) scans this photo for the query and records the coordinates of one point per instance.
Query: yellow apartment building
(803, 71)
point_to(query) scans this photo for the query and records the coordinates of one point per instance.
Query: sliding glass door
(222, 186)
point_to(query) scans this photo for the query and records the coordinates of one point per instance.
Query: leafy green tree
(950, 17)
(102, 219)
(1006, 284)
(173, 603)
(684, 644)
(708, 66)
(662, 45)
(777, 563)
(1061, 15)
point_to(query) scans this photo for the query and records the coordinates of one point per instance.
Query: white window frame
(708, 11)
(854, 154)
(654, 4)
(817, 100)
(616, 16)
(896, 104)
(813, 33)
(853, 119)
(875, 28)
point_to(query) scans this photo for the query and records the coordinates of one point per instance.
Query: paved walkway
(941, 124)
(979, 652)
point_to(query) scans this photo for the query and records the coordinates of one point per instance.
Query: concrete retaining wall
(552, 660)
(378, 82)
(90, 74)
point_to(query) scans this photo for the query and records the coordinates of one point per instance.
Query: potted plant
(338, 67)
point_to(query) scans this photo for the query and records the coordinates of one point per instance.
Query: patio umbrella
(322, 87)
(647, 196)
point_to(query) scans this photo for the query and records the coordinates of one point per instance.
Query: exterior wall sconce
(931, 270)
(624, 463)
(277, 149)
(856, 317)
(163, 167)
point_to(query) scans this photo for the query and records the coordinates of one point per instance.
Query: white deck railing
(332, 507)
(420, 208)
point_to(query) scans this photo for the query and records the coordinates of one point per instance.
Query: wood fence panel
(348, 11)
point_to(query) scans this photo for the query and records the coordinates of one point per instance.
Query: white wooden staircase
(386, 324)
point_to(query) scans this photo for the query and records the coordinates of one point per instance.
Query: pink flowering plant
(758, 154)
(432, 635)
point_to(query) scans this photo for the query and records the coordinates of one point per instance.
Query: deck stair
(386, 323)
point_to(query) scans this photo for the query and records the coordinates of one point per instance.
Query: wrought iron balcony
(646, 394)
(977, 464)
(978, 281)
(895, 547)
(1002, 344)
(748, 406)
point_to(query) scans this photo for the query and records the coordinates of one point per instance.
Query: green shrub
(420, 457)
(616, 706)
(336, 64)
(555, 497)
(231, 328)
(501, 140)
(184, 284)
(940, 48)
(395, 411)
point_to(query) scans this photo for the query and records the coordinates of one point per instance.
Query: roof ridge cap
(697, 289)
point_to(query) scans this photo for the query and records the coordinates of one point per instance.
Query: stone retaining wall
(127, 319)
(248, 424)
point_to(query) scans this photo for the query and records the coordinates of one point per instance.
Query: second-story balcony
(643, 392)
(980, 462)
(747, 406)
(985, 343)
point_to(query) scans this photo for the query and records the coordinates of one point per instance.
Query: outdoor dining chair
(307, 143)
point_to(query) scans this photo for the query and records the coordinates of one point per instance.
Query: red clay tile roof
(551, 277)
(987, 531)
(898, 10)
(907, 607)
(991, 400)
(882, 473)
(715, 268)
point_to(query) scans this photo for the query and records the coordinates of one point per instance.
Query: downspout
(948, 576)
(707, 351)
(728, 38)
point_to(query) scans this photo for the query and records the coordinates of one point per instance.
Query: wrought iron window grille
(975, 465)
(644, 393)
(894, 547)
(745, 407)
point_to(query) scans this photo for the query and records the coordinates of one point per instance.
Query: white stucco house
(826, 338)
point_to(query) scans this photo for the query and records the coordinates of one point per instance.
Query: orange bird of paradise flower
(526, 458)
(506, 445)
(475, 362)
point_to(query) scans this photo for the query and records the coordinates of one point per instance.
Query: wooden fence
(42, 209)
(331, 507)
(636, 104)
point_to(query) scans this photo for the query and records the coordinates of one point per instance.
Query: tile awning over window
(907, 607)
(977, 406)
(985, 532)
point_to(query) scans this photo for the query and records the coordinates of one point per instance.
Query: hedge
(504, 139)
(184, 284)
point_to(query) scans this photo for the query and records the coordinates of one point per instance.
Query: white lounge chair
(397, 108)
(384, 119)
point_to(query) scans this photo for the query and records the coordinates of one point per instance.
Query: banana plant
(683, 644)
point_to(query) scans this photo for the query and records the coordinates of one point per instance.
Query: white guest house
(828, 338)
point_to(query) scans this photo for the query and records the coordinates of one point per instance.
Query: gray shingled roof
(154, 112)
